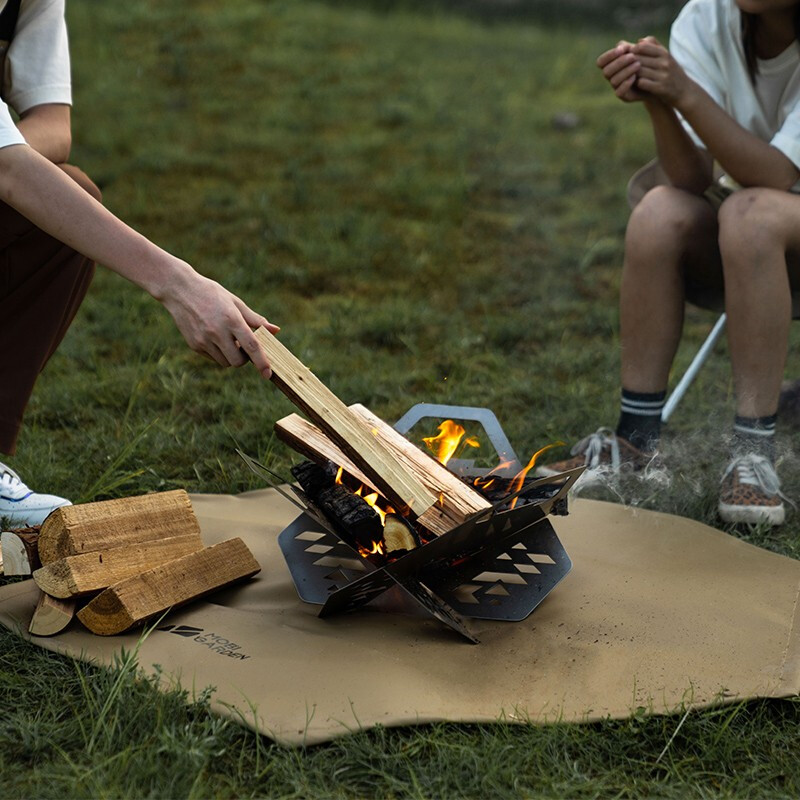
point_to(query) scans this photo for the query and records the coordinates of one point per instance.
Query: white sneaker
(19, 505)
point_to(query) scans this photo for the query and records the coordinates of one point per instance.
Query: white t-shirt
(36, 65)
(706, 41)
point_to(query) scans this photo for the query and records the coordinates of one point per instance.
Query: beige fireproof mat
(658, 612)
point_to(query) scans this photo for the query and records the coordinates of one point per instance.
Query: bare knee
(83, 180)
(752, 225)
(667, 220)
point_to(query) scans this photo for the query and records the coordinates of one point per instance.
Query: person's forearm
(747, 159)
(686, 165)
(48, 198)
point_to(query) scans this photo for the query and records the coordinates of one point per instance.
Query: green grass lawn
(391, 189)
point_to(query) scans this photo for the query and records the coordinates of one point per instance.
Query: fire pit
(497, 561)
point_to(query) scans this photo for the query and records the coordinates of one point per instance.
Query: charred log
(495, 489)
(355, 518)
(314, 478)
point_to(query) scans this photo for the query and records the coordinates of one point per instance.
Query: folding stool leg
(690, 374)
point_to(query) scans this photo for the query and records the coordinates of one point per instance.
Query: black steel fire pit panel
(496, 565)
(358, 593)
(507, 579)
(319, 561)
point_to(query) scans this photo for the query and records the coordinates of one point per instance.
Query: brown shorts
(42, 284)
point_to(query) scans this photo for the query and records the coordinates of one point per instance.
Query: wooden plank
(90, 572)
(20, 553)
(307, 439)
(51, 615)
(432, 473)
(458, 500)
(71, 530)
(344, 428)
(143, 596)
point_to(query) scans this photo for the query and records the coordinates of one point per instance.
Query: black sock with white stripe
(640, 418)
(754, 435)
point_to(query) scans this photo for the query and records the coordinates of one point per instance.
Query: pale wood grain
(143, 596)
(90, 572)
(71, 530)
(51, 616)
(344, 428)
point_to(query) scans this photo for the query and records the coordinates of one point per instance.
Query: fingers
(650, 50)
(624, 75)
(253, 319)
(213, 353)
(250, 345)
(622, 90)
(621, 49)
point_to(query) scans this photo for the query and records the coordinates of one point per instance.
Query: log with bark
(51, 616)
(85, 573)
(71, 530)
(141, 597)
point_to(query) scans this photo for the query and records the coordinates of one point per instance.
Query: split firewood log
(20, 552)
(51, 616)
(90, 572)
(390, 475)
(141, 597)
(398, 535)
(71, 530)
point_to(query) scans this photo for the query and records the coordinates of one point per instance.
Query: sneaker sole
(752, 515)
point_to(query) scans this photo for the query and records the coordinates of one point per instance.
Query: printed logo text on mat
(213, 641)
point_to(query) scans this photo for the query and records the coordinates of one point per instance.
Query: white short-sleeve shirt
(706, 41)
(36, 65)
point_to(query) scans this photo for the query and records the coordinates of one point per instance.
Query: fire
(519, 478)
(377, 548)
(446, 443)
(485, 481)
(371, 499)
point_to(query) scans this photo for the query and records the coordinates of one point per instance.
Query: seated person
(727, 90)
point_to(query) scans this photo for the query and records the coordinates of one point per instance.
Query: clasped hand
(644, 71)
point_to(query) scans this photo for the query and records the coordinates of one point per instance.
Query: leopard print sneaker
(751, 492)
(605, 455)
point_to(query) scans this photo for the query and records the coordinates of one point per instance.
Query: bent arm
(687, 166)
(47, 129)
(213, 321)
(744, 156)
(750, 161)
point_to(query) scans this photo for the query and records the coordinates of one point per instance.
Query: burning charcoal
(397, 535)
(496, 488)
(313, 478)
(351, 513)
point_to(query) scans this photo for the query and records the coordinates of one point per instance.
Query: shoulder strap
(8, 20)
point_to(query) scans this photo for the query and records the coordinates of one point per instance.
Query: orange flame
(446, 443)
(372, 500)
(339, 474)
(485, 481)
(519, 478)
(377, 547)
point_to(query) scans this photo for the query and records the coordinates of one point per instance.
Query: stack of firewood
(122, 562)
